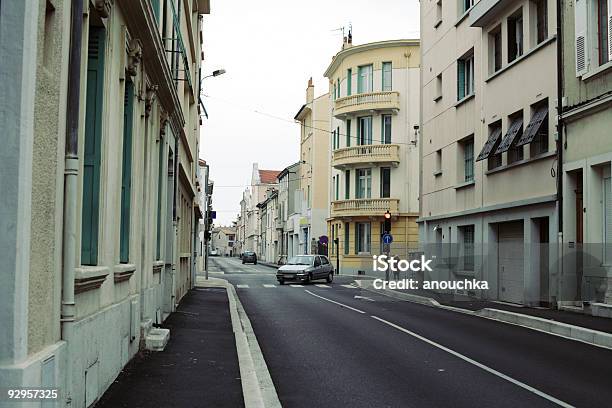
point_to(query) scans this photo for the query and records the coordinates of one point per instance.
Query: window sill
(465, 184)
(437, 173)
(89, 277)
(597, 71)
(437, 98)
(522, 57)
(464, 100)
(123, 272)
(520, 163)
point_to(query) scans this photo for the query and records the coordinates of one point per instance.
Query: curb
(555, 328)
(257, 386)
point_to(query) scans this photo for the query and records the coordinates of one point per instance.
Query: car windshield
(301, 260)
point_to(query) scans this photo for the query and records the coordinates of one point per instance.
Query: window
(465, 76)
(334, 95)
(308, 195)
(515, 35)
(468, 159)
(347, 184)
(540, 8)
(92, 146)
(438, 20)
(385, 182)
(337, 180)
(386, 129)
(364, 183)
(349, 80)
(495, 50)
(348, 133)
(333, 140)
(365, 79)
(347, 237)
(386, 76)
(465, 5)
(467, 236)
(363, 237)
(438, 89)
(438, 163)
(364, 130)
(338, 87)
(604, 19)
(126, 173)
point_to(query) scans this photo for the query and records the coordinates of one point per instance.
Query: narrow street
(334, 345)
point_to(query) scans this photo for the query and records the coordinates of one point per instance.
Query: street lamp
(216, 73)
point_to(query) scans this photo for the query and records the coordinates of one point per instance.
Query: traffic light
(387, 226)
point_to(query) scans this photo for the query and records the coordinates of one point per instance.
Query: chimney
(350, 37)
(310, 91)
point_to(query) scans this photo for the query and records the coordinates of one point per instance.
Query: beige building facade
(373, 153)
(106, 135)
(488, 197)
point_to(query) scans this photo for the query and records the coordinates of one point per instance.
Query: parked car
(249, 257)
(214, 252)
(306, 268)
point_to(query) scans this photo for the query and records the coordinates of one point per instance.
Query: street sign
(387, 239)
(213, 215)
(323, 239)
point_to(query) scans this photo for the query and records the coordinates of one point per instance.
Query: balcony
(365, 207)
(364, 102)
(366, 155)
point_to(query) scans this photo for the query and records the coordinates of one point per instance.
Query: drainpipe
(175, 245)
(559, 145)
(71, 172)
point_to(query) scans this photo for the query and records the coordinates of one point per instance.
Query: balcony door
(364, 183)
(364, 130)
(366, 81)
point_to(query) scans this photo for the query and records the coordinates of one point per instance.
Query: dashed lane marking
(242, 286)
(348, 286)
(320, 285)
(269, 286)
(336, 303)
(297, 286)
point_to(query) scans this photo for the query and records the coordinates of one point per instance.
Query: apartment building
(269, 223)
(488, 188)
(289, 208)
(99, 211)
(586, 120)
(374, 159)
(313, 117)
(222, 240)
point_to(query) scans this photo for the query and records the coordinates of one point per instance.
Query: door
(317, 267)
(511, 261)
(325, 267)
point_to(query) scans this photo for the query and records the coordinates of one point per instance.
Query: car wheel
(243, 262)
(308, 278)
(330, 277)
(255, 263)
(281, 282)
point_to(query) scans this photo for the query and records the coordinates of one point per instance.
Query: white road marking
(364, 298)
(348, 286)
(296, 286)
(320, 285)
(337, 303)
(242, 286)
(477, 364)
(269, 286)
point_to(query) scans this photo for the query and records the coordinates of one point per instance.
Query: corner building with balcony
(488, 198)
(374, 96)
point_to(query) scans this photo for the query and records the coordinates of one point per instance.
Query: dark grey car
(306, 268)
(249, 257)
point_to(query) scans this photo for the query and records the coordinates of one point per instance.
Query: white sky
(270, 48)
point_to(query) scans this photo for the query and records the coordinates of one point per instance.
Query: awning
(534, 126)
(490, 144)
(515, 128)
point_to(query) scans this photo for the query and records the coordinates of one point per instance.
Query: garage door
(511, 261)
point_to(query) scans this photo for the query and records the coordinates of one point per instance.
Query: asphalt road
(337, 346)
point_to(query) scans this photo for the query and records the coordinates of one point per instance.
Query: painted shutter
(347, 185)
(460, 79)
(580, 32)
(349, 80)
(609, 30)
(92, 146)
(126, 173)
(348, 133)
(155, 6)
(608, 221)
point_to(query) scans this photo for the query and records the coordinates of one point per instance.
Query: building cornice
(356, 49)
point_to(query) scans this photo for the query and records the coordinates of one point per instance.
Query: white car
(306, 268)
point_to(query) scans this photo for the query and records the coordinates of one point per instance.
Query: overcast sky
(270, 48)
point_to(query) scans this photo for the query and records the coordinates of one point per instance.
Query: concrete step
(157, 339)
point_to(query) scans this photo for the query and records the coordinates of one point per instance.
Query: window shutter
(609, 30)
(580, 32)
(460, 79)
(348, 133)
(126, 173)
(608, 221)
(349, 80)
(92, 146)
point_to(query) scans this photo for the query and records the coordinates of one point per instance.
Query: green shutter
(155, 6)
(347, 232)
(337, 187)
(347, 185)
(126, 173)
(338, 87)
(348, 133)
(160, 170)
(349, 80)
(460, 79)
(359, 81)
(92, 146)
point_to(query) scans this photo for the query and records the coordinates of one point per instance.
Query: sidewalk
(198, 368)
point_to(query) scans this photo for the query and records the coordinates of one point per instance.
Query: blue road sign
(387, 239)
